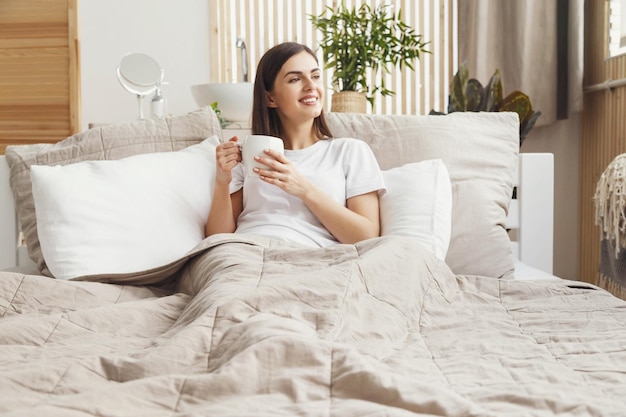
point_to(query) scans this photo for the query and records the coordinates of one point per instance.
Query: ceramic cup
(254, 145)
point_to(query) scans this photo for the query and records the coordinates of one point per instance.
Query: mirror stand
(140, 75)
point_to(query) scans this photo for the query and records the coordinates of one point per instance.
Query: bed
(442, 315)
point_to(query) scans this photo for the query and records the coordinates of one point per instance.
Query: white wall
(175, 33)
(563, 140)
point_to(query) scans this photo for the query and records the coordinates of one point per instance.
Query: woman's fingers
(275, 160)
(228, 150)
(279, 156)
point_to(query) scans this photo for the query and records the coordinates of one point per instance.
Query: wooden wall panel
(39, 71)
(603, 130)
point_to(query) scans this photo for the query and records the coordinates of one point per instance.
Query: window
(617, 27)
(264, 23)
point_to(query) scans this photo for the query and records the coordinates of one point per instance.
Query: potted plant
(468, 94)
(359, 42)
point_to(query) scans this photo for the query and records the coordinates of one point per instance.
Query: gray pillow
(480, 151)
(103, 143)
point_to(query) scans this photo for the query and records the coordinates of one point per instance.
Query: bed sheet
(250, 326)
(525, 272)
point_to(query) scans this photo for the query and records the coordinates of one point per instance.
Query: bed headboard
(531, 215)
(8, 220)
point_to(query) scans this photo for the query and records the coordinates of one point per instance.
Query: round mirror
(140, 69)
(140, 75)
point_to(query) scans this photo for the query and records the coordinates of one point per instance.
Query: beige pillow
(108, 142)
(480, 152)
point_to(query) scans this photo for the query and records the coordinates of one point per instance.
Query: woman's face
(298, 89)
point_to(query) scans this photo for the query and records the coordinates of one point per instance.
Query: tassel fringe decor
(615, 288)
(610, 203)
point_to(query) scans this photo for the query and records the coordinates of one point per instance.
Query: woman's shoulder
(347, 142)
(352, 145)
(350, 148)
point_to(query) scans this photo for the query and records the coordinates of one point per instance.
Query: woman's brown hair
(265, 120)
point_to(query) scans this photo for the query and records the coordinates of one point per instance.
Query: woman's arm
(225, 207)
(358, 221)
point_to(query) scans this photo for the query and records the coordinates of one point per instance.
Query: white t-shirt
(342, 168)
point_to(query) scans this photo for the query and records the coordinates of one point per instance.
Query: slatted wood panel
(603, 130)
(264, 23)
(39, 71)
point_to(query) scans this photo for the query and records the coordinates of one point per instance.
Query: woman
(322, 191)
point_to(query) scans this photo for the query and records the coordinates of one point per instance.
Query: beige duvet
(254, 328)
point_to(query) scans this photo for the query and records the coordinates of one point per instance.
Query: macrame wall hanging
(610, 215)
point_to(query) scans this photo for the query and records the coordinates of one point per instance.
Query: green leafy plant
(468, 94)
(218, 113)
(355, 41)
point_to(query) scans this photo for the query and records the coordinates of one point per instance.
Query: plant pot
(349, 102)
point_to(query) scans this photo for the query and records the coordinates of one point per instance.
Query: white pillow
(126, 215)
(418, 203)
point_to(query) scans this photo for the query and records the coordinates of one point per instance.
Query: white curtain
(520, 39)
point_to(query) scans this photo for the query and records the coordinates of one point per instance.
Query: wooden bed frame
(531, 215)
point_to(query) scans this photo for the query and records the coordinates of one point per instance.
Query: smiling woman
(39, 71)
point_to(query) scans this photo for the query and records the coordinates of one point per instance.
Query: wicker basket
(349, 102)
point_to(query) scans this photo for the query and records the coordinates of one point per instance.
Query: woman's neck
(299, 137)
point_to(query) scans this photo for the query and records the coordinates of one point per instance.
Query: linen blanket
(252, 327)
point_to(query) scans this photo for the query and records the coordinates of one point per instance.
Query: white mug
(254, 145)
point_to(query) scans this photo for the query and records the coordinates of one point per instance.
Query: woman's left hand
(282, 173)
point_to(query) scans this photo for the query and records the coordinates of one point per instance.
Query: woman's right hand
(225, 207)
(227, 155)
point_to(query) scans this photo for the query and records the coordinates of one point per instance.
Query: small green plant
(357, 40)
(468, 94)
(218, 113)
